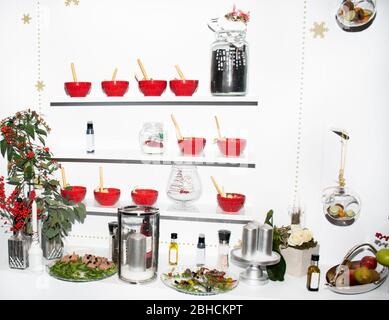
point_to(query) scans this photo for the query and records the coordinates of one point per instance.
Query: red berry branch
(380, 236)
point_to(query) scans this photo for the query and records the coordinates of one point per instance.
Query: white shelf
(168, 211)
(66, 101)
(211, 159)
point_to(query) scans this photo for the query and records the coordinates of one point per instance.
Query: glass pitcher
(229, 60)
(184, 186)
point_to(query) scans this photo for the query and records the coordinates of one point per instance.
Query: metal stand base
(254, 275)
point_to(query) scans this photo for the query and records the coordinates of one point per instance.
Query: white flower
(296, 238)
(307, 235)
(295, 227)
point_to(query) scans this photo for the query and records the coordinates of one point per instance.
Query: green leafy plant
(31, 167)
(277, 271)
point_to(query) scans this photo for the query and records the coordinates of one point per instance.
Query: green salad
(87, 268)
(201, 280)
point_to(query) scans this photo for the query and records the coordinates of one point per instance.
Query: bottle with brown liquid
(313, 275)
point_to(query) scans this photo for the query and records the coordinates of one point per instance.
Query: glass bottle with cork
(173, 250)
(313, 275)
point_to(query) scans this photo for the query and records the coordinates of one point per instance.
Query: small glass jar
(152, 138)
(184, 185)
(229, 64)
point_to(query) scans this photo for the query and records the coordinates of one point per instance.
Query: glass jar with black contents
(229, 63)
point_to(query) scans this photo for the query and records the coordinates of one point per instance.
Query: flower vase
(18, 246)
(297, 260)
(52, 248)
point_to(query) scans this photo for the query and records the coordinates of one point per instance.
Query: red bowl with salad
(232, 202)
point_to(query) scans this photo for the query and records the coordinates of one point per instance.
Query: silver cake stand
(254, 273)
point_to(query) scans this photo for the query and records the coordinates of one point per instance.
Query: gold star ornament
(74, 2)
(319, 29)
(40, 85)
(26, 19)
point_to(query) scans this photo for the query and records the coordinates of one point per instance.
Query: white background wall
(346, 78)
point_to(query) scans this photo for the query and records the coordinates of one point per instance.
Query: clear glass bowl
(341, 205)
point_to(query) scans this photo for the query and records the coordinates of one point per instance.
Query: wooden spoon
(142, 68)
(218, 128)
(101, 188)
(114, 74)
(73, 72)
(218, 189)
(178, 130)
(179, 71)
(64, 183)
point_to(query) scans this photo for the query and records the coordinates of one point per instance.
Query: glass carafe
(184, 186)
(229, 61)
(355, 15)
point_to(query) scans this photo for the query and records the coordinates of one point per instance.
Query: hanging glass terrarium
(340, 204)
(356, 15)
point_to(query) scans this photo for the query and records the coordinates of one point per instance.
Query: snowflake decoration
(74, 2)
(26, 19)
(319, 29)
(40, 85)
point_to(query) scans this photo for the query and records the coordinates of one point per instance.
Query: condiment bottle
(147, 231)
(90, 138)
(313, 275)
(224, 249)
(173, 250)
(200, 257)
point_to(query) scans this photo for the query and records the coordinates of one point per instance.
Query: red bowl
(75, 194)
(183, 87)
(115, 88)
(192, 146)
(144, 197)
(231, 204)
(78, 89)
(231, 147)
(107, 198)
(152, 87)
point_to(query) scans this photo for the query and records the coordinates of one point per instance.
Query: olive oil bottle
(313, 275)
(173, 250)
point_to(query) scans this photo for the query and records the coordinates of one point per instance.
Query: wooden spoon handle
(114, 74)
(64, 183)
(218, 127)
(218, 189)
(142, 68)
(178, 130)
(73, 72)
(101, 179)
(179, 71)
